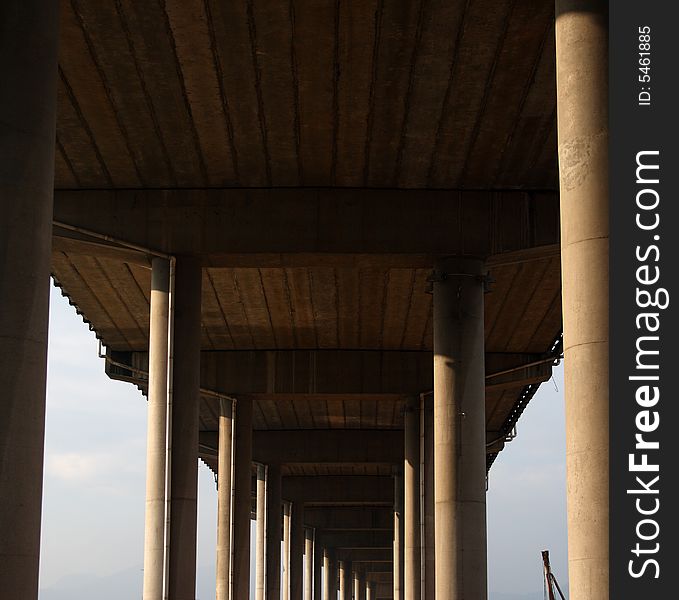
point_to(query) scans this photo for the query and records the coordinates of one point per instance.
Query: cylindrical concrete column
(398, 534)
(184, 431)
(370, 590)
(287, 515)
(429, 529)
(28, 62)
(260, 546)
(318, 564)
(224, 495)
(308, 563)
(359, 585)
(582, 116)
(346, 583)
(412, 571)
(242, 499)
(329, 575)
(274, 523)
(459, 431)
(297, 552)
(156, 431)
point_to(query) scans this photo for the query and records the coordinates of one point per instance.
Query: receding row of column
(28, 107)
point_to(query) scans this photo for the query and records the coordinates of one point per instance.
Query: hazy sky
(93, 499)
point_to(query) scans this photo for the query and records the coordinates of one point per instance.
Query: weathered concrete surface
(224, 496)
(156, 432)
(459, 431)
(582, 111)
(28, 59)
(185, 411)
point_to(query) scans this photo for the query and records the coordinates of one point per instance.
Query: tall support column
(28, 61)
(185, 376)
(346, 583)
(582, 115)
(359, 585)
(242, 500)
(287, 516)
(329, 575)
(274, 522)
(224, 494)
(398, 533)
(156, 431)
(297, 552)
(308, 563)
(260, 548)
(412, 571)
(429, 529)
(318, 563)
(370, 590)
(459, 431)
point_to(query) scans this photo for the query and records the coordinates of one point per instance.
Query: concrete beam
(326, 372)
(352, 446)
(339, 490)
(356, 540)
(350, 518)
(374, 557)
(285, 227)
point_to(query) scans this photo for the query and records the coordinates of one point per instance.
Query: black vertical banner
(644, 311)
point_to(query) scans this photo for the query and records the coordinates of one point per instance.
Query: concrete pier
(260, 546)
(224, 496)
(429, 506)
(412, 571)
(287, 516)
(459, 431)
(318, 564)
(369, 591)
(359, 585)
(398, 534)
(274, 522)
(156, 431)
(308, 563)
(297, 540)
(181, 564)
(329, 575)
(28, 59)
(346, 583)
(582, 118)
(242, 499)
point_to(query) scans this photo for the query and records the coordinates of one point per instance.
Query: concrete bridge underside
(330, 242)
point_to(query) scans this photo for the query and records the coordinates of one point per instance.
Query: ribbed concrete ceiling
(376, 93)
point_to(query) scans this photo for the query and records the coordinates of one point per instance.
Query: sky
(93, 493)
